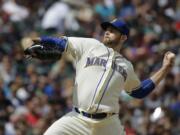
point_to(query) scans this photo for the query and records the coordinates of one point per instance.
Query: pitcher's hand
(168, 61)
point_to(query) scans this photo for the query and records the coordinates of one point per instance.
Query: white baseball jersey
(101, 73)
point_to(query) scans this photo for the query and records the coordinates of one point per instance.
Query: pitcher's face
(111, 36)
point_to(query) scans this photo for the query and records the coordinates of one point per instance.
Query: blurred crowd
(34, 93)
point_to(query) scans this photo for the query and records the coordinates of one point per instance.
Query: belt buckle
(81, 113)
(108, 115)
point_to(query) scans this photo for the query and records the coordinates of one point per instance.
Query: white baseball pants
(76, 124)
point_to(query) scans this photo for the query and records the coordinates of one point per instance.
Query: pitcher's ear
(123, 38)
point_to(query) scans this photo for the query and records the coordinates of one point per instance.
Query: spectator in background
(105, 8)
(16, 11)
(58, 18)
(7, 69)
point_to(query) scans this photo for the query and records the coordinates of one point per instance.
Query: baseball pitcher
(101, 73)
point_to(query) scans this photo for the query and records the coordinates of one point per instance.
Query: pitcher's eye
(109, 29)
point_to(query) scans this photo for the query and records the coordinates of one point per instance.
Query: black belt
(93, 116)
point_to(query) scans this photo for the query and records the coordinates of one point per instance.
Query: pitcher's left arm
(148, 85)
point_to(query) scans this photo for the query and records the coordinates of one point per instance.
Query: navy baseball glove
(43, 52)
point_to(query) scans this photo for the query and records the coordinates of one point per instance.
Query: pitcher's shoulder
(83, 39)
(124, 61)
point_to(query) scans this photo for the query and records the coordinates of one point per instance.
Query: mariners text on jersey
(102, 62)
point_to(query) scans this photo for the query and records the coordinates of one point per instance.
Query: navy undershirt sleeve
(146, 87)
(59, 42)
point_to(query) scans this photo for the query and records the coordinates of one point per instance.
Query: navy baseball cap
(118, 24)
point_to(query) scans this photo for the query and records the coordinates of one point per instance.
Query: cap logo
(113, 20)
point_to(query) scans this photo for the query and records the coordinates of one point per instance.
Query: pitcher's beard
(107, 41)
(110, 43)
